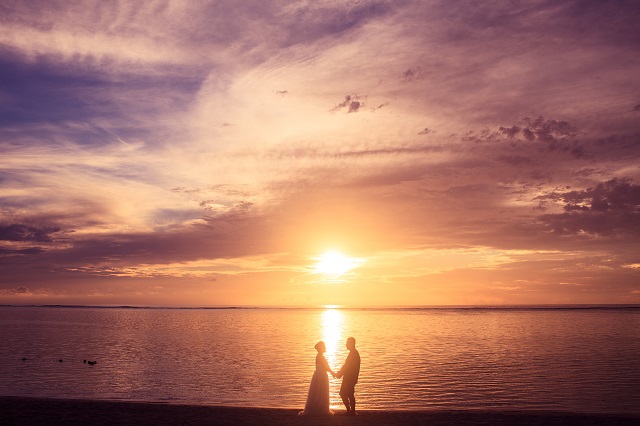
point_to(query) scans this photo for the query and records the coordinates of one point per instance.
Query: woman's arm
(327, 367)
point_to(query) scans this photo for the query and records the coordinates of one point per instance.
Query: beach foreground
(36, 411)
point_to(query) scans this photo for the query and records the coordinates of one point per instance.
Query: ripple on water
(565, 359)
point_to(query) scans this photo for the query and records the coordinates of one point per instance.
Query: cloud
(382, 105)
(20, 291)
(611, 208)
(412, 74)
(352, 103)
(549, 131)
(612, 225)
(618, 195)
(307, 21)
(20, 232)
(26, 251)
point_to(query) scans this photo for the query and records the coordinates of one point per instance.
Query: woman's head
(320, 347)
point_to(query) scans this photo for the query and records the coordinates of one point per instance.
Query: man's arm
(346, 366)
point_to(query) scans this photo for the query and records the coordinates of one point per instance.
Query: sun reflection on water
(332, 324)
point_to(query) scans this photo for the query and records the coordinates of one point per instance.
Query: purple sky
(205, 153)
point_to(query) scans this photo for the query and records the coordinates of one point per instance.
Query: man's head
(351, 343)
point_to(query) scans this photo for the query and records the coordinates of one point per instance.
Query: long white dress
(318, 396)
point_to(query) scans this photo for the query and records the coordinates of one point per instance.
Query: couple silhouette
(318, 396)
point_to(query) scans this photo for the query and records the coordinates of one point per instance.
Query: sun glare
(332, 328)
(335, 264)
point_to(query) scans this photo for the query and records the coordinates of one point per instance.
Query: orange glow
(334, 264)
(267, 168)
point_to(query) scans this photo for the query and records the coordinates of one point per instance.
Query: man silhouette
(349, 373)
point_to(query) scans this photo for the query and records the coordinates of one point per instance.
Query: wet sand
(36, 411)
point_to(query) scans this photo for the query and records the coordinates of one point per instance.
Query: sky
(209, 153)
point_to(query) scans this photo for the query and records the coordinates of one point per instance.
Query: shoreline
(40, 411)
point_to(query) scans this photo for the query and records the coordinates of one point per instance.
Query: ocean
(573, 358)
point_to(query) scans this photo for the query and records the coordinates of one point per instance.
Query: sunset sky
(203, 153)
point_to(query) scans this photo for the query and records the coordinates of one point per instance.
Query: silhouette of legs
(349, 401)
(346, 403)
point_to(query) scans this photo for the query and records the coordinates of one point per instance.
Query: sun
(335, 264)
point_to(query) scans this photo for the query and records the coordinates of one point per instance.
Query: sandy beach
(36, 411)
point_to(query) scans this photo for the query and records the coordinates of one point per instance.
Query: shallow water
(579, 360)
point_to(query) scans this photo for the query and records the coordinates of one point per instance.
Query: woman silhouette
(318, 396)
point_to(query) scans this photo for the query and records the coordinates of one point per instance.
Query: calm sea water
(579, 360)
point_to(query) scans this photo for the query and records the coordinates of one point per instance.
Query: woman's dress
(318, 396)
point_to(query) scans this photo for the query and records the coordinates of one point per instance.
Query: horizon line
(345, 307)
